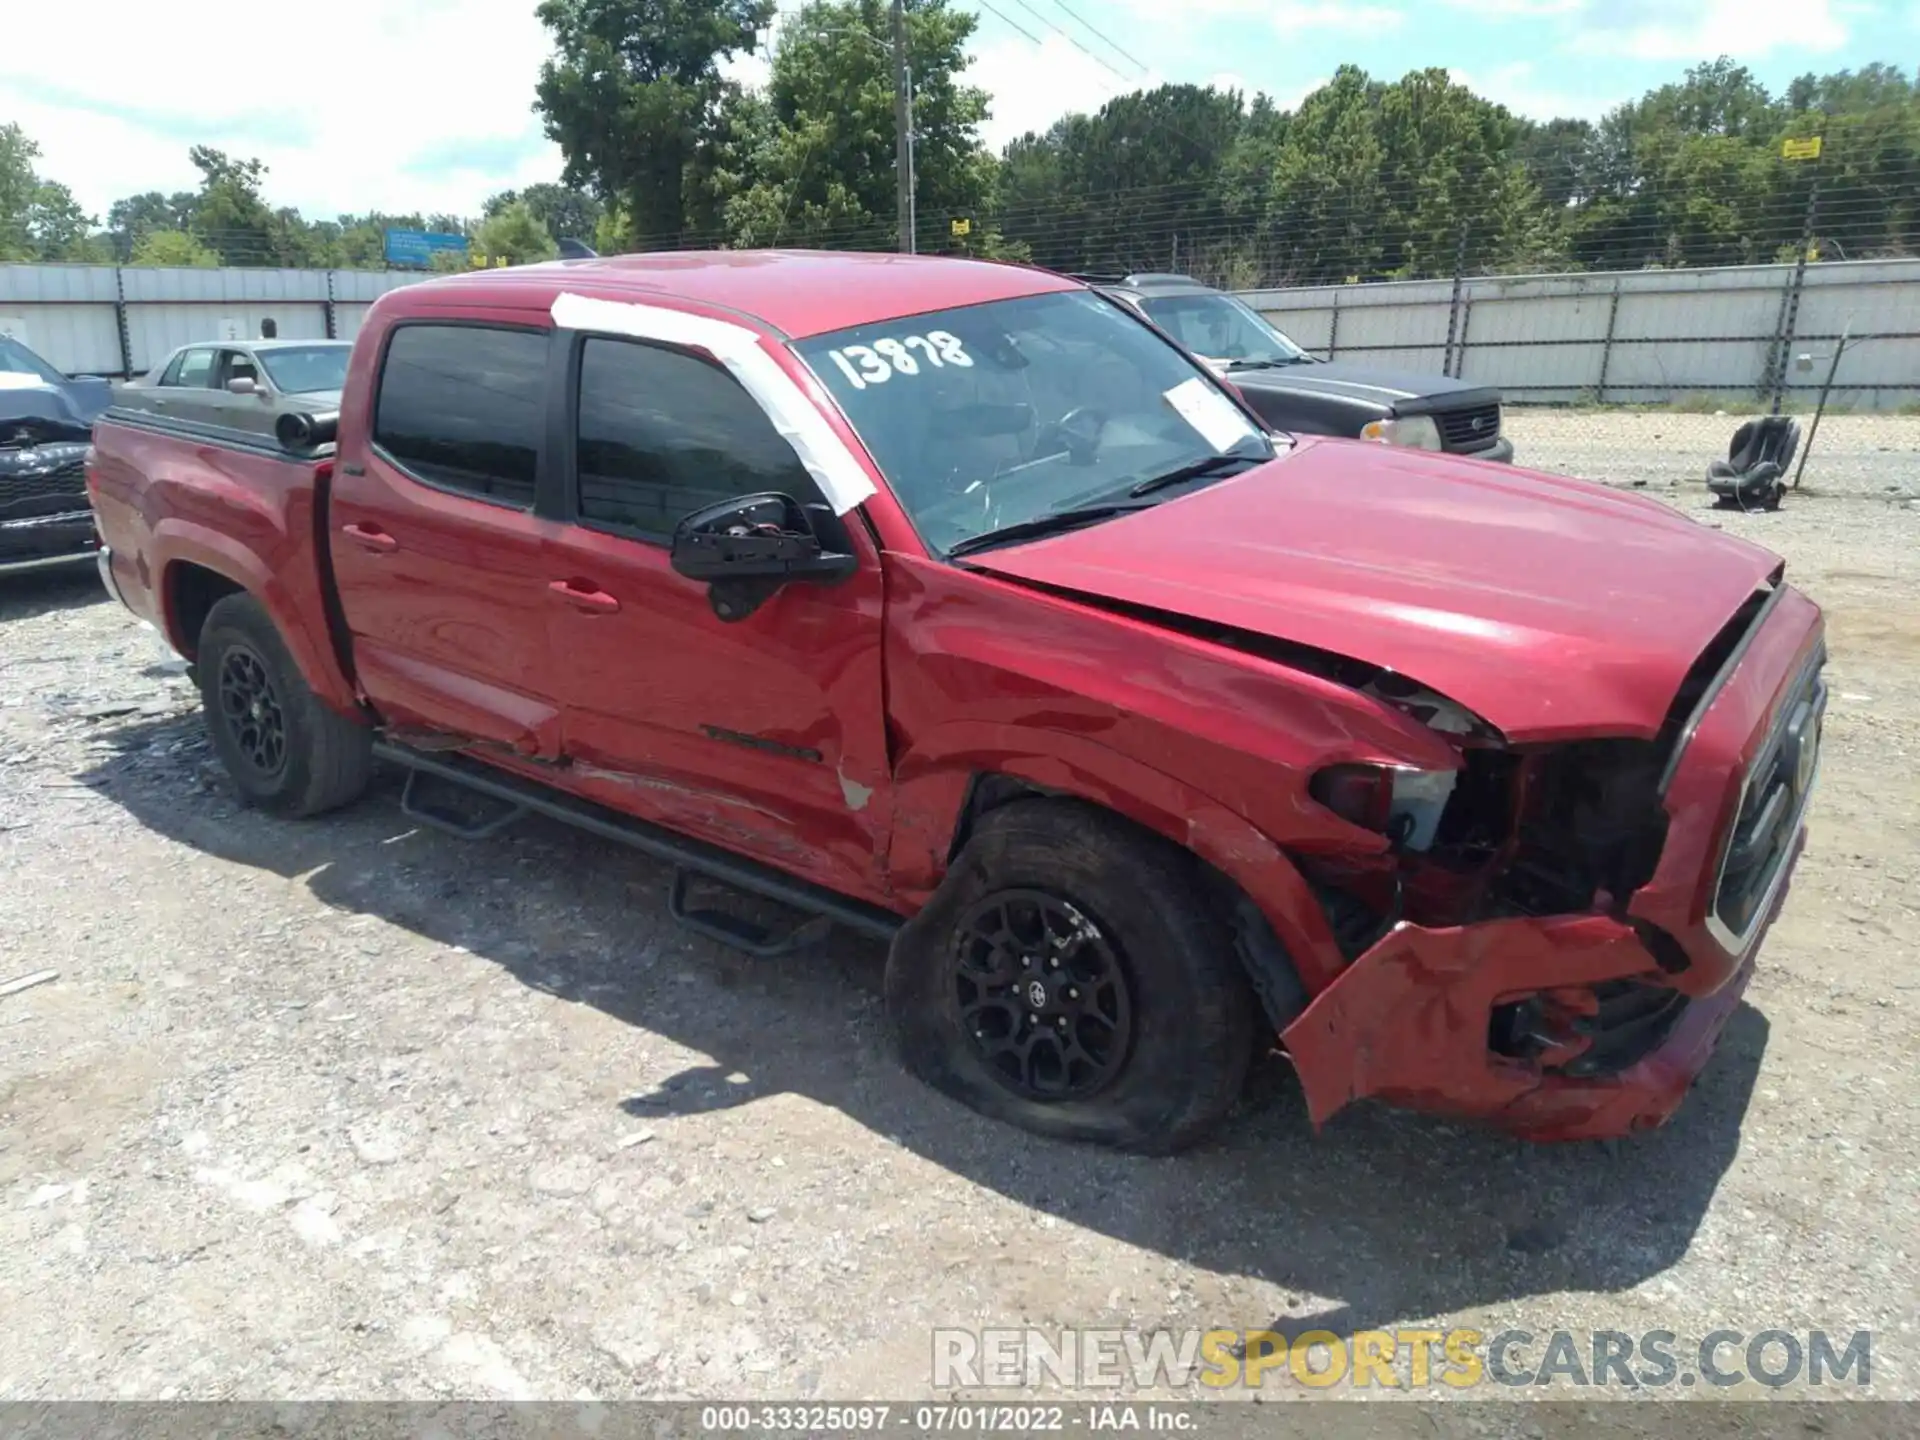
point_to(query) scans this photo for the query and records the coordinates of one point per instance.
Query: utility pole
(903, 127)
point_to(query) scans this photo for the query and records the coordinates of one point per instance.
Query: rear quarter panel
(165, 500)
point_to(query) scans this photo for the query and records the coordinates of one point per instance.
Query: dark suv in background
(46, 421)
(1302, 394)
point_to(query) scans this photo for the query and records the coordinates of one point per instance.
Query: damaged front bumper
(1620, 1011)
(46, 519)
(42, 542)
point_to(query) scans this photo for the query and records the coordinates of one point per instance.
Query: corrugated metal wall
(1638, 337)
(72, 315)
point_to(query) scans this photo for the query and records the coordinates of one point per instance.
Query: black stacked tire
(1167, 1054)
(286, 752)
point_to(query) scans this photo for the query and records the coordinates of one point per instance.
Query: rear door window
(463, 408)
(192, 371)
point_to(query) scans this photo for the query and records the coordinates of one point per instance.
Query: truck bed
(188, 513)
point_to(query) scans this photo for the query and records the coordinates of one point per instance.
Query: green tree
(565, 213)
(60, 230)
(228, 214)
(1456, 192)
(1555, 154)
(1869, 168)
(1327, 215)
(1132, 179)
(39, 218)
(633, 93)
(134, 216)
(513, 235)
(818, 159)
(19, 186)
(173, 247)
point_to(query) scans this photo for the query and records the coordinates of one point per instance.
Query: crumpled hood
(1550, 607)
(39, 414)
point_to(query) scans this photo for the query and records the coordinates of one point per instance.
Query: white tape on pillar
(840, 477)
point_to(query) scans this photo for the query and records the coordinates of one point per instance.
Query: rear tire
(286, 752)
(1072, 975)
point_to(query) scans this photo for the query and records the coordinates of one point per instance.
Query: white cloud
(1742, 29)
(1527, 9)
(425, 105)
(1034, 85)
(1293, 16)
(1517, 87)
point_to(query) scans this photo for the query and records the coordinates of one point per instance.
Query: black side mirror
(746, 549)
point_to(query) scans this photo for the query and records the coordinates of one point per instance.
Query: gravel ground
(346, 1109)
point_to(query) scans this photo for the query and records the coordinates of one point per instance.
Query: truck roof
(795, 292)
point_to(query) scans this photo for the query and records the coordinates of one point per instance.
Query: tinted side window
(662, 433)
(463, 407)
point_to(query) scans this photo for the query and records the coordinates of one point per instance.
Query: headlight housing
(1417, 432)
(1403, 804)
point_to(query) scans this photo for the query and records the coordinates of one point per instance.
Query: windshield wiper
(1053, 522)
(1272, 363)
(1213, 465)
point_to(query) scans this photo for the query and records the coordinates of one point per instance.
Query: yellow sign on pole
(963, 227)
(1808, 149)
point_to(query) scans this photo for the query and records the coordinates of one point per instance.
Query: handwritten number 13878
(879, 362)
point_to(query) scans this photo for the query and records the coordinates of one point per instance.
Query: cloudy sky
(423, 105)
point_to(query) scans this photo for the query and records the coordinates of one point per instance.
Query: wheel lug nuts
(1072, 994)
(1061, 1022)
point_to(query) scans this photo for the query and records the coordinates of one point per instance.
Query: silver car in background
(242, 384)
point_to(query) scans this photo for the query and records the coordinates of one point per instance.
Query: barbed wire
(1268, 233)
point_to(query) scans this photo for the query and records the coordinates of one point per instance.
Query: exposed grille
(1475, 428)
(44, 491)
(1622, 1022)
(1775, 795)
(1633, 1020)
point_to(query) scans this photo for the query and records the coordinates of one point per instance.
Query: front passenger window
(662, 433)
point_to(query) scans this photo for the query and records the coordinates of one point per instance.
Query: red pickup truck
(954, 603)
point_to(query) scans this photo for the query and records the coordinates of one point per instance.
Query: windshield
(16, 359)
(997, 415)
(1220, 327)
(303, 369)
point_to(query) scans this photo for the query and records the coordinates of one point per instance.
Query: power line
(989, 6)
(1070, 40)
(1103, 37)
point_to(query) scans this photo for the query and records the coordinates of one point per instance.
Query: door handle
(584, 598)
(370, 537)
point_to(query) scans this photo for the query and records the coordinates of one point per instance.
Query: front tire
(286, 752)
(1073, 976)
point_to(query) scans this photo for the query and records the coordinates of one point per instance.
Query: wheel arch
(199, 567)
(1284, 930)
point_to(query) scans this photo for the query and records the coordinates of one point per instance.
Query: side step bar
(685, 854)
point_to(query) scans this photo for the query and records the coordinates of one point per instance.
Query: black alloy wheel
(251, 711)
(1041, 990)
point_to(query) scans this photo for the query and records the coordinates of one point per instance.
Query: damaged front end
(1553, 935)
(45, 517)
